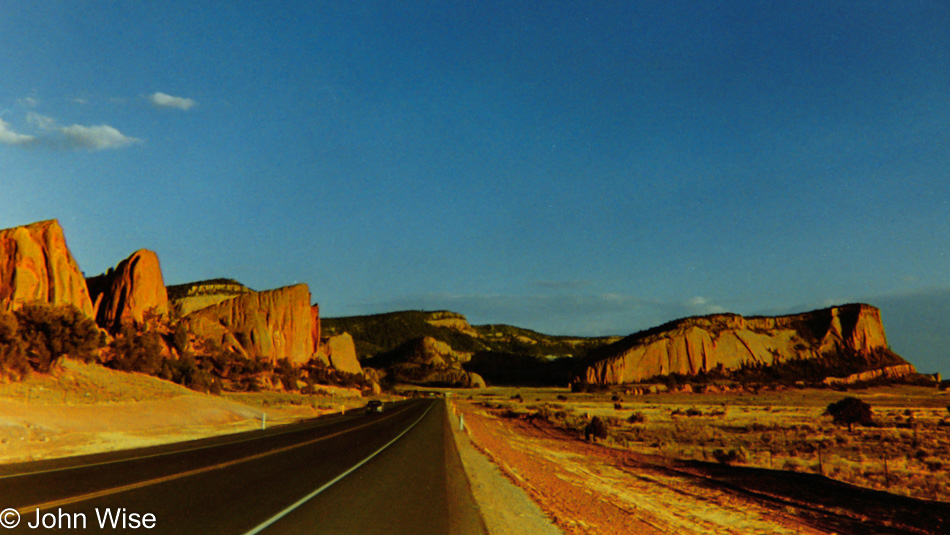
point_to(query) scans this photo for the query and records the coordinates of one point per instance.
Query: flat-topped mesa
(183, 299)
(123, 295)
(270, 325)
(702, 344)
(36, 265)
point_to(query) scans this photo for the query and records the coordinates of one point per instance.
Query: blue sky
(569, 167)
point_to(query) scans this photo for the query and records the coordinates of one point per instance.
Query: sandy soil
(588, 488)
(84, 408)
(506, 508)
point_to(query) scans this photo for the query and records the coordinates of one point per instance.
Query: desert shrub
(136, 352)
(693, 411)
(518, 398)
(637, 418)
(562, 397)
(732, 456)
(618, 406)
(50, 332)
(216, 387)
(597, 428)
(287, 373)
(186, 372)
(850, 411)
(615, 398)
(13, 361)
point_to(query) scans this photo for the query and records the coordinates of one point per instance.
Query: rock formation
(728, 341)
(315, 327)
(451, 320)
(187, 298)
(341, 352)
(427, 361)
(271, 325)
(36, 265)
(122, 295)
(890, 371)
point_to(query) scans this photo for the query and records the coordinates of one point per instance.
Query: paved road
(397, 472)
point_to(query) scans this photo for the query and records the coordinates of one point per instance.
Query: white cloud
(701, 305)
(74, 137)
(28, 102)
(164, 100)
(9, 137)
(99, 137)
(41, 121)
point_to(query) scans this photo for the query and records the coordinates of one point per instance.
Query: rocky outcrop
(270, 325)
(36, 265)
(123, 295)
(187, 298)
(451, 320)
(728, 341)
(890, 371)
(341, 352)
(432, 352)
(315, 327)
(427, 361)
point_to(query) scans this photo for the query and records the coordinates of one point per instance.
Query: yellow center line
(141, 484)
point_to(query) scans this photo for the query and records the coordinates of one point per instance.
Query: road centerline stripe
(132, 486)
(154, 455)
(267, 523)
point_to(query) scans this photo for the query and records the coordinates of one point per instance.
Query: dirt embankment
(590, 488)
(86, 408)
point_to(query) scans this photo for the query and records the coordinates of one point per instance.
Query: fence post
(887, 481)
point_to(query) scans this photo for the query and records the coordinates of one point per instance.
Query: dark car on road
(374, 405)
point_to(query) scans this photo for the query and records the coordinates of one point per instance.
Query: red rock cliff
(692, 345)
(123, 295)
(271, 325)
(36, 265)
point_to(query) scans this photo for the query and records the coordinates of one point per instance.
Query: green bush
(732, 456)
(136, 352)
(597, 428)
(850, 411)
(50, 332)
(637, 418)
(13, 362)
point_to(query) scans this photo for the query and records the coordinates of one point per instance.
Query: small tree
(850, 411)
(137, 351)
(597, 428)
(13, 361)
(50, 332)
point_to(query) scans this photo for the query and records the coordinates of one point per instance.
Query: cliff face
(272, 325)
(123, 295)
(183, 299)
(702, 344)
(341, 352)
(36, 265)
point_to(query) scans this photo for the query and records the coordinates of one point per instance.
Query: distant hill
(501, 354)
(836, 341)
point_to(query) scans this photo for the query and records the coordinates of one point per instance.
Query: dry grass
(783, 430)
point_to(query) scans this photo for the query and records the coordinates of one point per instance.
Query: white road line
(310, 496)
(154, 455)
(140, 484)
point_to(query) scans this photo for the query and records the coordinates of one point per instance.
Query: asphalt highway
(395, 472)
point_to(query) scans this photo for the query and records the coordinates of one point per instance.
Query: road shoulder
(505, 507)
